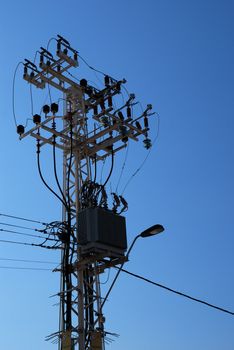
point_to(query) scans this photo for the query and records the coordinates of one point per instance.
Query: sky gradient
(177, 55)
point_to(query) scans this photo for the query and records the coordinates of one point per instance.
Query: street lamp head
(153, 230)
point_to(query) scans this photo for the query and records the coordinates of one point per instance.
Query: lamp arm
(118, 272)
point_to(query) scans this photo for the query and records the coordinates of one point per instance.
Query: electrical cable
(177, 292)
(96, 70)
(48, 44)
(13, 92)
(69, 168)
(122, 169)
(28, 244)
(42, 178)
(23, 227)
(55, 172)
(24, 268)
(89, 81)
(144, 161)
(95, 168)
(30, 85)
(29, 261)
(24, 219)
(92, 68)
(48, 85)
(31, 98)
(29, 235)
(111, 169)
(107, 279)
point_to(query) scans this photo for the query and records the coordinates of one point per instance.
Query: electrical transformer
(101, 231)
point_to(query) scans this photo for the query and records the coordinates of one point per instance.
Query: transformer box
(101, 231)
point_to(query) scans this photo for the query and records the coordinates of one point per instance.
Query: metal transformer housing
(102, 231)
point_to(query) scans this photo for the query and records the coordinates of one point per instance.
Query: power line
(22, 218)
(24, 268)
(144, 160)
(122, 169)
(29, 244)
(41, 176)
(29, 235)
(19, 226)
(177, 292)
(13, 93)
(29, 261)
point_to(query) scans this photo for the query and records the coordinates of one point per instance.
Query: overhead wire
(28, 235)
(42, 178)
(144, 160)
(55, 172)
(30, 86)
(94, 69)
(95, 168)
(13, 92)
(103, 164)
(29, 261)
(123, 167)
(22, 218)
(48, 85)
(111, 169)
(19, 226)
(29, 244)
(107, 279)
(70, 168)
(177, 292)
(24, 268)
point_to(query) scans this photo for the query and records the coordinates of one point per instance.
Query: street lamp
(151, 231)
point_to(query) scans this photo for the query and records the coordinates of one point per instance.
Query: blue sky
(177, 55)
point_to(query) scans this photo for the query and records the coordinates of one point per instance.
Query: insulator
(149, 106)
(41, 58)
(129, 112)
(110, 103)
(147, 143)
(25, 70)
(123, 201)
(121, 117)
(58, 46)
(65, 51)
(48, 62)
(123, 130)
(20, 129)
(138, 125)
(104, 120)
(36, 119)
(107, 80)
(54, 108)
(46, 109)
(89, 91)
(54, 126)
(32, 74)
(125, 139)
(118, 86)
(61, 38)
(95, 110)
(75, 57)
(146, 122)
(102, 104)
(83, 83)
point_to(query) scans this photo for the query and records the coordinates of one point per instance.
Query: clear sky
(179, 56)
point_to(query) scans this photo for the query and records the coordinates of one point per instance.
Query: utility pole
(89, 130)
